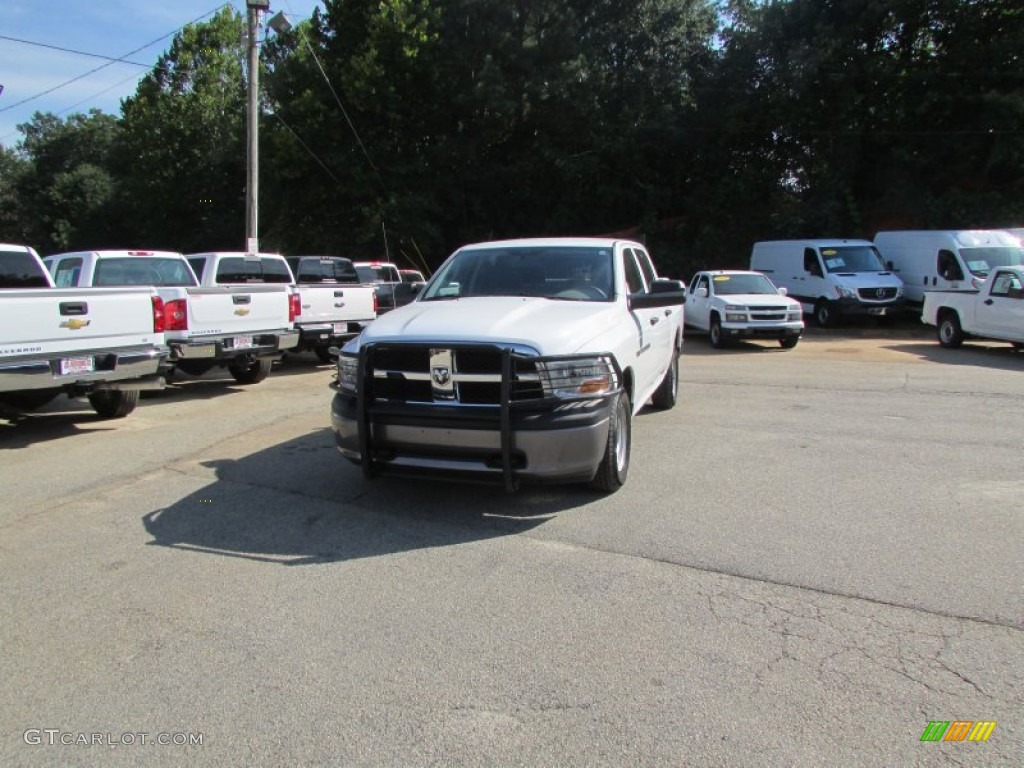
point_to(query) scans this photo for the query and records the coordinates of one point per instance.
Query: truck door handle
(654, 320)
(74, 308)
(988, 301)
(668, 312)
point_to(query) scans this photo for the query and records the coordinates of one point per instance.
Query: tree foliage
(408, 127)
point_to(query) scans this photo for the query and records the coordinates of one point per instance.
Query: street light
(252, 181)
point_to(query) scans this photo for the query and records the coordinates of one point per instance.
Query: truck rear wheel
(114, 403)
(667, 393)
(950, 333)
(614, 466)
(246, 371)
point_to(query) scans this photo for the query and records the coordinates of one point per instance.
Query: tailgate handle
(74, 308)
(339, 294)
(241, 299)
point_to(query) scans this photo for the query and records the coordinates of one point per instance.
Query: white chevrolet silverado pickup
(521, 360)
(227, 326)
(106, 344)
(994, 311)
(335, 307)
(731, 304)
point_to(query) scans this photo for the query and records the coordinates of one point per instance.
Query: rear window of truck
(235, 269)
(143, 270)
(19, 270)
(323, 270)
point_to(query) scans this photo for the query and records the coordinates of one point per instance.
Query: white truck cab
(947, 260)
(830, 277)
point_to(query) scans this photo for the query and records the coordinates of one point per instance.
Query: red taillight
(294, 307)
(176, 315)
(375, 304)
(159, 320)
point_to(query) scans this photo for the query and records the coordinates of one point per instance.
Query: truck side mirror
(702, 292)
(664, 285)
(889, 265)
(783, 291)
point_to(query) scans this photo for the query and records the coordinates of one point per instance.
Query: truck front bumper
(763, 330)
(129, 368)
(560, 443)
(847, 306)
(223, 348)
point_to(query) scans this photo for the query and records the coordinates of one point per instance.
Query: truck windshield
(142, 270)
(19, 270)
(568, 273)
(852, 258)
(981, 260)
(733, 285)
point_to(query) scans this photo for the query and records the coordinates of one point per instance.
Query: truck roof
(591, 242)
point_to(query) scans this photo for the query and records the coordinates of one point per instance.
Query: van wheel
(715, 333)
(114, 403)
(667, 393)
(823, 314)
(789, 342)
(248, 371)
(950, 333)
(614, 466)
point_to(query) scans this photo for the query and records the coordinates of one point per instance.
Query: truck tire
(667, 393)
(322, 355)
(114, 403)
(1018, 345)
(715, 333)
(248, 371)
(614, 466)
(950, 333)
(789, 342)
(823, 314)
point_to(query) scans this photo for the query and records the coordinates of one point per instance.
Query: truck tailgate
(332, 302)
(237, 309)
(44, 320)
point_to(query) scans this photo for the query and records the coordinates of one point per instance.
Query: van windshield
(852, 258)
(981, 260)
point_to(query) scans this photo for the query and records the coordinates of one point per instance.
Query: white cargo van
(946, 260)
(830, 278)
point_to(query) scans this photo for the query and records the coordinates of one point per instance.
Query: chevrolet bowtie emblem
(75, 323)
(241, 312)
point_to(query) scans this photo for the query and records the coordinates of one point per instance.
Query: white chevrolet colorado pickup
(994, 311)
(104, 344)
(738, 304)
(521, 360)
(228, 326)
(335, 307)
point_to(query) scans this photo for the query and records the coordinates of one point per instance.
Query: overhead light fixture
(279, 23)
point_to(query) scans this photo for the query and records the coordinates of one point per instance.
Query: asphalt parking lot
(817, 553)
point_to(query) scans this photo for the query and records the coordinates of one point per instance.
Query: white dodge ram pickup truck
(104, 344)
(229, 326)
(994, 311)
(521, 360)
(739, 304)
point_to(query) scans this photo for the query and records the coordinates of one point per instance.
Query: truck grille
(877, 294)
(410, 373)
(768, 313)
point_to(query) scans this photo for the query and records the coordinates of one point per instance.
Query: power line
(72, 50)
(110, 63)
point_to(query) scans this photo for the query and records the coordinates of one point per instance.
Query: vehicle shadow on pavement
(300, 503)
(1001, 356)
(20, 430)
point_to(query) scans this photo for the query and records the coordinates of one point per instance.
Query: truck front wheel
(715, 333)
(247, 371)
(114, 403)
(951, 335)
(614, 466)
(667, 393)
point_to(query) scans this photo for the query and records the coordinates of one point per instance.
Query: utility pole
(252, 180)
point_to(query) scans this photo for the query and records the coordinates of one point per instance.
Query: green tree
(181, 157)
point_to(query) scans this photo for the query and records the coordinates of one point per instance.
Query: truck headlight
(348, 372)
(845, 293)
(735, 317)
(794, 313)
(578, 377)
